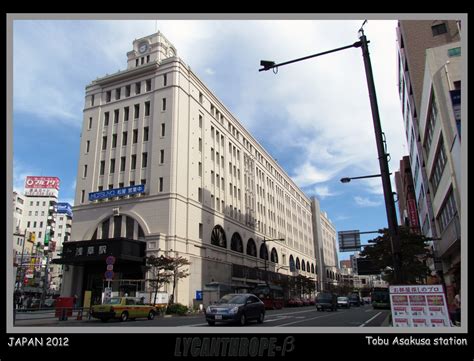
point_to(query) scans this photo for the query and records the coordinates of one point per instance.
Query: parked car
(343, 302)
(326, 300)
(295, 302)
(123, 308)
(236, 307)
(354, 300)
(306, 302)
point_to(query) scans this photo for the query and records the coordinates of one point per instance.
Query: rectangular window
(116, 116)
(106, 119)
(122, 164)
(163, 104)
(143, 181)
(85, 171)
(112, 166)
(439, 164)
(448, 211)
(92, 100)
(201, 98)
(162, 156)
(212, 177)
(104, 143)
(135, 136)
(144, 159)
(200, 121)
(121, 185)
(137, 88)
(90, 123)
(124, 138)
(102, 167)
(82, 196)
(161, 184)
(145, 134)
(200, 144)
(88, 143)
(107, 96)
(200, 195)
(127, 91)
(126, 113)
(439, 29)
(114, 140)
(117, 94)
(136, 111)
(218, 204)
(148, 85)
(133, 164)
(200, 169)
(132, 183)
(162, 129)
(165, 79)
(147, 109)
(200, 231)
(111, 186)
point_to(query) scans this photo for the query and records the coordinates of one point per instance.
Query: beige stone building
(165, 168)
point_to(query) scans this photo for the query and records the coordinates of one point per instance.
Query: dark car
(295, 302)
(236, 307)
(326, 300)
(354, 300)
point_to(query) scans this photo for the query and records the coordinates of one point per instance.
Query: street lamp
(348, 179)
(379, 138)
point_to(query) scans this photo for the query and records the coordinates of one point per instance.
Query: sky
(313, 116)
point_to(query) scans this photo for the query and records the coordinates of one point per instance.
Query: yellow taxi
(123, 308)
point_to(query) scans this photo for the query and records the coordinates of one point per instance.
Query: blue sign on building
(117, 192)
(199, 295)
(63, 207)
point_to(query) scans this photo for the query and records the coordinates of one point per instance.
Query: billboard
(40, 186)
(64, 207)
(419, 306)
(349, 241)
(366, 267)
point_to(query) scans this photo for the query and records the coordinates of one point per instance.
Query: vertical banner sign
(419, 306)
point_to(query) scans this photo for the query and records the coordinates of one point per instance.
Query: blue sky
(314, 116)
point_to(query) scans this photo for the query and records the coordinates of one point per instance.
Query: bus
(380, 297)
(272, 296)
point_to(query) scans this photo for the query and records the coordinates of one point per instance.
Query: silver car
(343, 302)
(236, 307)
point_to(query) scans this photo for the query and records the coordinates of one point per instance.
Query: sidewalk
(388, 321)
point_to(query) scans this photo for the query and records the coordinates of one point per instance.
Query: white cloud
(366, 202)
(20, 172)
(324, 192)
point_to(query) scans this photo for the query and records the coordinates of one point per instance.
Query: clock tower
(151, 48)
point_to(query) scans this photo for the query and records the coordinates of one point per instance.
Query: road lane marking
(366, 322)
(312, 318)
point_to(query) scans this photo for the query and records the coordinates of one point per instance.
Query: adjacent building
(407, 208)
(166, 169)
(429, 60)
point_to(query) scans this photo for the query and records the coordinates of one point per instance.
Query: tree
(159, 271)
(177, 272)
(414, 251)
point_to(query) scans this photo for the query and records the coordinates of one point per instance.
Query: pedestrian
(74, 301)
(457, 308)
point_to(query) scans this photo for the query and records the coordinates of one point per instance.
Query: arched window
(131, 226)
(312, 268)
(298, 263)
(263, 251)
(292, 264)
(236, 243)
(303, 265)
(274, 255)
(251, 248)
(218, 237)
(308, 267)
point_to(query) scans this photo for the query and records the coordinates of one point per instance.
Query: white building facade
(165, 168)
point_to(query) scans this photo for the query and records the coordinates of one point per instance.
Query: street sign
(110, 260)
(109, 275)
(110, 267)
(349, 241)
(199, 295)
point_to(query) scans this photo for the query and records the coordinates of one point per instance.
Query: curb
(387, 322)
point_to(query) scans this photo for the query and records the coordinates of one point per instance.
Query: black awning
(86, 252)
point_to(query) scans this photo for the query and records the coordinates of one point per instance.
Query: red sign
(413, 213)
(42, 182)
(110, 260)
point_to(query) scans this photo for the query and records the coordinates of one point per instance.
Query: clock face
(142, 48)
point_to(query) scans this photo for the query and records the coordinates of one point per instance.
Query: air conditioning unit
(116, 211)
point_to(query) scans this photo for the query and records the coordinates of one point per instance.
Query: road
(364, 316)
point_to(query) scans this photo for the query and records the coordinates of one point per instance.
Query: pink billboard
(41, 186)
